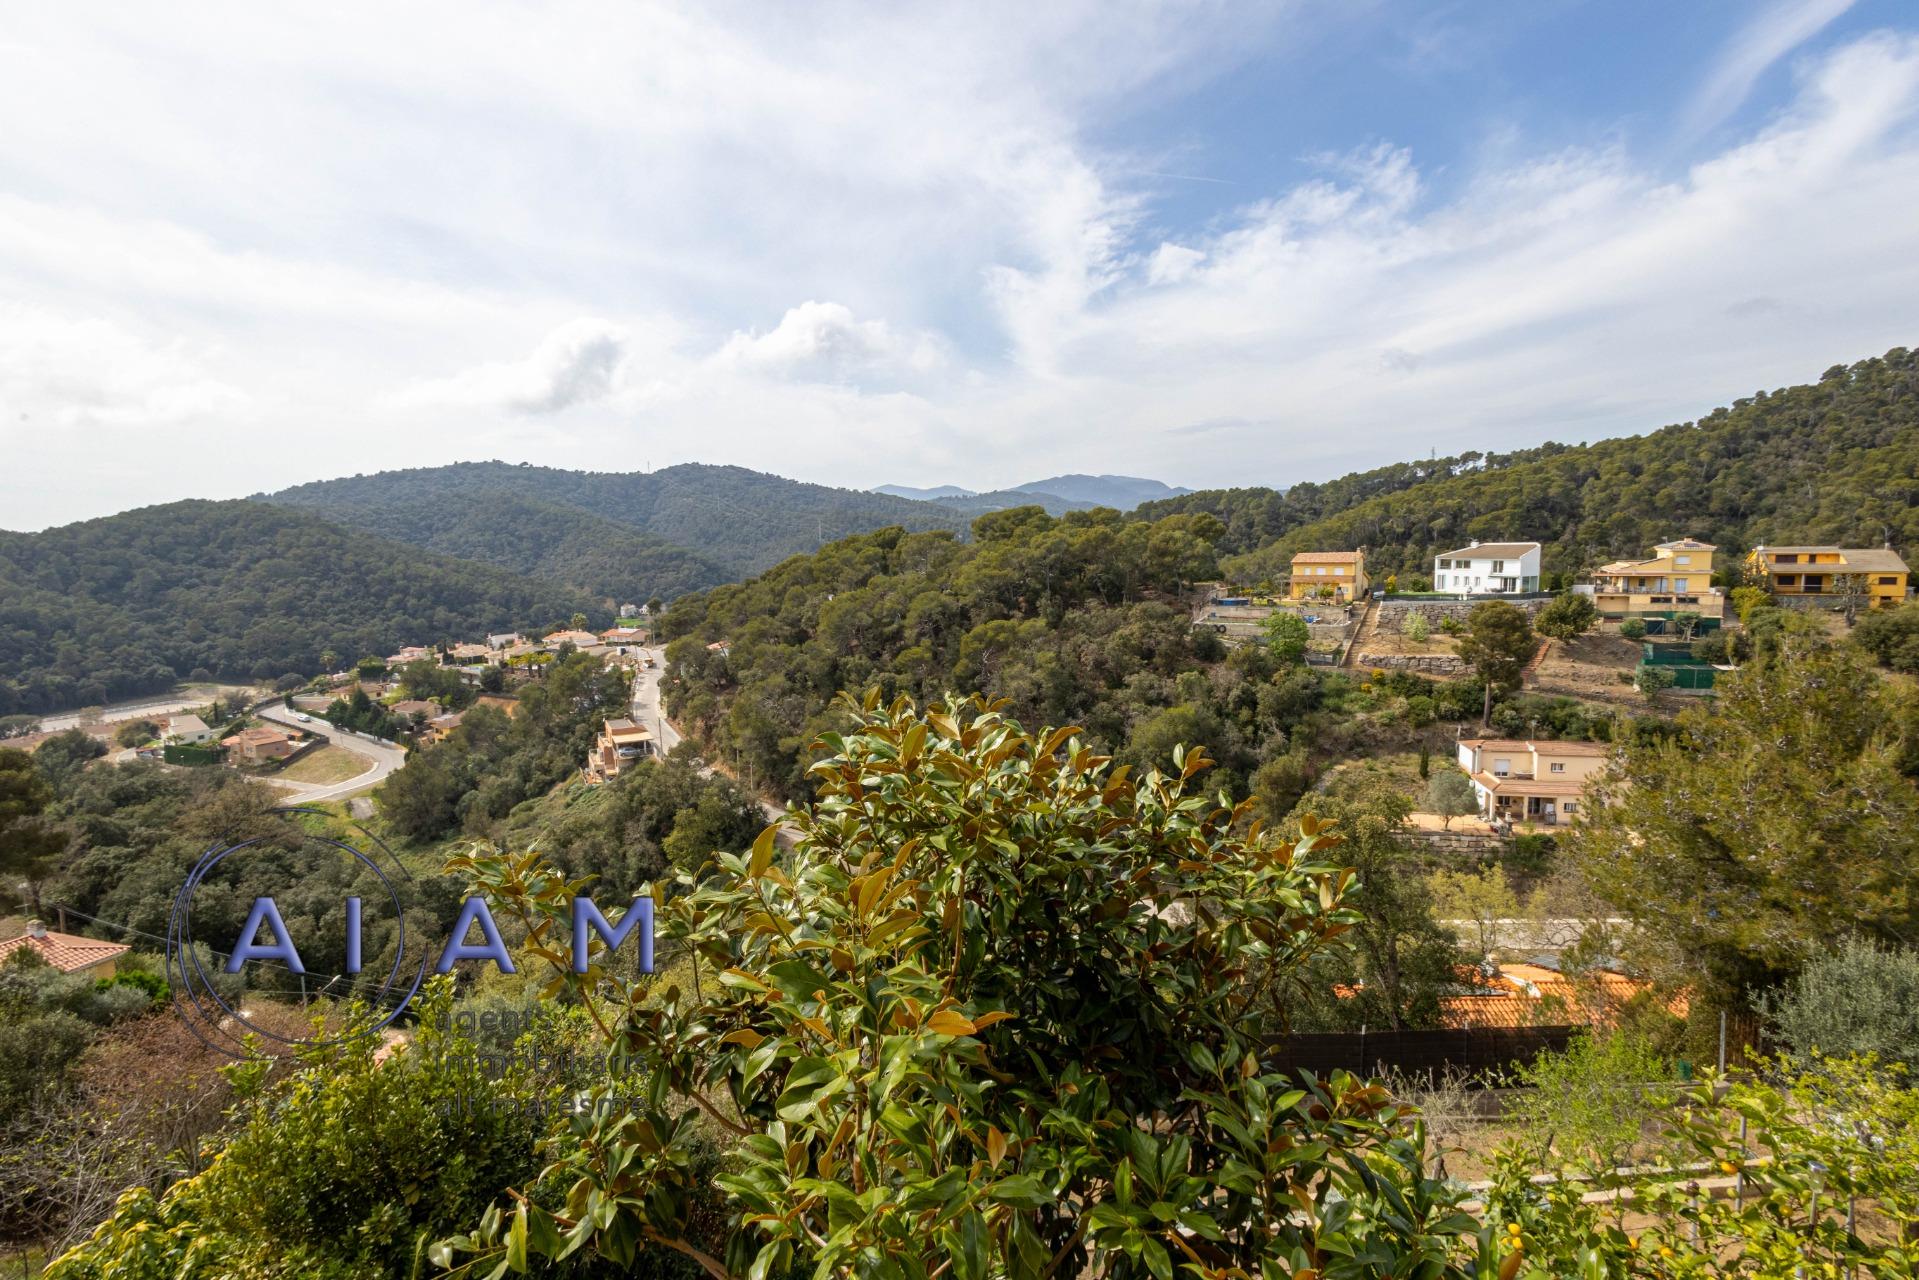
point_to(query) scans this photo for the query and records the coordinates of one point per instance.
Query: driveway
(382, 758)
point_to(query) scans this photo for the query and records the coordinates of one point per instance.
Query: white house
(185, 728)
(1488, 569)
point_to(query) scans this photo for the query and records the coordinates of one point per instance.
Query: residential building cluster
(1677, 577)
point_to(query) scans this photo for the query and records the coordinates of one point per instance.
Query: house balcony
(1614, 602)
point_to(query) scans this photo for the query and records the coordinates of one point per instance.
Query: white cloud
(1775, 31)
(861, 246)
(1172, 263)
(824, 339)
(579, 363)
(83, 374)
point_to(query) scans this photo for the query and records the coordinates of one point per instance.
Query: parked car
(303, 717)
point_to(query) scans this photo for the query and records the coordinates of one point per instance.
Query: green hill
(738, 521)
(1832, 461)
(613, 562)
(125, 605)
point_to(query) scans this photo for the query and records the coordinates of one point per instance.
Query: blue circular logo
(223, 1025)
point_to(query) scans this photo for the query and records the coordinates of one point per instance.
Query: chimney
(36, 929)
(1472, 544)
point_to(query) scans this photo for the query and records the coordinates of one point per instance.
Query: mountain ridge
(740, 520)
(1075, 491)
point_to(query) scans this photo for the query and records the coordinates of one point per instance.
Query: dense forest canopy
(744, 521)
(613, 562)
(129, 604)
(1836, 461)
(1081, 620)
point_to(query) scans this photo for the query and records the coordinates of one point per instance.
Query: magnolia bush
(997, 1011)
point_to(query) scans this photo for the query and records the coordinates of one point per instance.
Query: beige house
(1522, 780)
(620, 744)
(256, 746)
(578, 639)
(67, 952)
(1677, 578)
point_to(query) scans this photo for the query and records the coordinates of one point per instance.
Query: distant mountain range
(1058, 494)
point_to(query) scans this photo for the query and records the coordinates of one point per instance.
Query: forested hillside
(1080, 620)
(742, 521)
(128, 604)
(1832, 461)
(613, 562)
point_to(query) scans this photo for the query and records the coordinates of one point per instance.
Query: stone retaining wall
(1463, 844)
(1392, 614)
(1425, 664)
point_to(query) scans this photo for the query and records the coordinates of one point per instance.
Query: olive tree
(995, 1012)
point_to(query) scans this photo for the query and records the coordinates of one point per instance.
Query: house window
(1499, 566)
(1888, 582)
(1793, 559)
(1682, 559)
(1788, 579)
(1558, 767)
(1501, 768)
(1569, 806)
(1679, 584)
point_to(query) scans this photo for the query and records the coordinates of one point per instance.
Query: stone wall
(1392, 614)
(1425, 664)
(1463, 844)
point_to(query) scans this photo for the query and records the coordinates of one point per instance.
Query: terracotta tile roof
(1516, 996)
(67, 952)
(1327, 557)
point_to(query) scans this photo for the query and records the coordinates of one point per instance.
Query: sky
(244, 246)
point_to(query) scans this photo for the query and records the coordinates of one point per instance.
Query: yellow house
(1677, 579)
(1343, 571)
(1877, 573)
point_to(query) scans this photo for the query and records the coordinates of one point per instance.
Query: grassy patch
(326, 765)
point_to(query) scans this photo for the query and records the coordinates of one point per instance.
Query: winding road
(382, 757)
(649, 714)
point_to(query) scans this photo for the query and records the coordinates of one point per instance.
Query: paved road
(198, 696)
(382, 757)
(647, 713)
